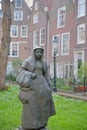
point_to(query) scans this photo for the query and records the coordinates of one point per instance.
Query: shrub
(63, 84)
(59, 83)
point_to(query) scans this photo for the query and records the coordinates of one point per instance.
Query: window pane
(81, 33)
(18, 15)
(60, 70)
(36, 5)
(14, 50)
(14, 31)
(81, 7)
(35, 18)
(66, 71)
(24, 31)
(61, 16)
(42, 36)
(36, 38)
(65, 43)
(18, 3)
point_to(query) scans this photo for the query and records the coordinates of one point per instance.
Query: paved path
(80, 96)
(76, 95)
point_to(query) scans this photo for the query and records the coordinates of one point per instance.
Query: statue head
(38, 52)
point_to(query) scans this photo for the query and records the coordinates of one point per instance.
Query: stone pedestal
(20, 128)
(43, 129)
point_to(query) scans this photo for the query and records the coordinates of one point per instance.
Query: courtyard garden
(71, 114)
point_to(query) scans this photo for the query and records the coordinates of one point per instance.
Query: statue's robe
(37, 99)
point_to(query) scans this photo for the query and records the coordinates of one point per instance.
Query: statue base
(20, 128)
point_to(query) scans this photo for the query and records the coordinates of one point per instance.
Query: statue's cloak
(37, 99)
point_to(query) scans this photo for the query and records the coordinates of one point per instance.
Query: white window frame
(9, 68)
(11, 49)
(16, 30)
(58, 18)
(16, 4)
(36, 5)
(35, 18)
(26, 31)
(76, 53)
(41, 36)
(0, 5)
(16, 15)
(51, 70)
(35, 38)
(67, 53)
(81, 12)
(68, 70)
(1, 12)
(60, 69)
(78, 34)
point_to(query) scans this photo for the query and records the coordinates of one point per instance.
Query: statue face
(38, 53)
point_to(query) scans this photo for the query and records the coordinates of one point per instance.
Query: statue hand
(22, 99)
(33, 75)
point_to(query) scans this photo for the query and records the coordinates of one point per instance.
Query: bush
(59, 83)
(63, 84)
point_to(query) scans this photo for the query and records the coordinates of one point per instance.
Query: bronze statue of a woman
(35, 93)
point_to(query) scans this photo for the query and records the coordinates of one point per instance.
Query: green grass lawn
(71, 114)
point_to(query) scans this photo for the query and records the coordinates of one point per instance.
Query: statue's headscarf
(35, 48)
(29, 63)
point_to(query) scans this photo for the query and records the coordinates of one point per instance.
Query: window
(79, 58)
(57, 46)
(35, 18)
(51, 70)
(60, 70)
(18, 15)
(81, 8)
(18, 3)
(1, 12)
(81, 33)
(68, 70)
(14, 31)
(14, 50)
(61, 16)
(0, 5)
(36, 6)
(36, 38)
(65, 43)
(42, 36)
(9, 68)
(24, 31)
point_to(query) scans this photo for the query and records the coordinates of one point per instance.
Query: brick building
(66, 20)
(39, 25)
(63, 20)
(20, 14)
(80, 45)
(69, 20)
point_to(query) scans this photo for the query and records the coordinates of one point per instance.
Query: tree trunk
(6, 23)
